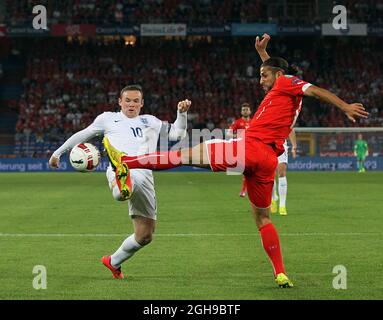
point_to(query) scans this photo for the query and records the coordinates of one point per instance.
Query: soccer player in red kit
(262, 144)
(241, 124)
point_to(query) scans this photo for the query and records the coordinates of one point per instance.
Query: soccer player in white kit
(134, 134)
(283, 160)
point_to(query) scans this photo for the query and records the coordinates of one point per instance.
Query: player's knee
(262, 216)
(144, 238)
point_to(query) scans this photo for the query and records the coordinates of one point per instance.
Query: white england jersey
(133, 136)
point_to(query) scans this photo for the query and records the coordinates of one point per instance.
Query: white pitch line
(304, 234)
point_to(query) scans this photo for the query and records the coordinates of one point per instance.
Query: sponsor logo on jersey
(144, 121)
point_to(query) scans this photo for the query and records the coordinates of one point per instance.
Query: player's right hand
(54, 162)
(261, 45)
(184, 105)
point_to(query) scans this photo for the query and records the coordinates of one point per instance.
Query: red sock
(154, 161)
(270, 242)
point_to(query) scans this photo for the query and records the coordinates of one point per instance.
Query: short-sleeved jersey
(239, 124)
(133, 136)
(360, 147)
(278, 112)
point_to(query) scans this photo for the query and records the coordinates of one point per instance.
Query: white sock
(123, 253)
(275, 195)
(282, 189)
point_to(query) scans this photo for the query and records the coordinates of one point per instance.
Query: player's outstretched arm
(78, 137)
(261, 45)
(178, 128)
(352, 110)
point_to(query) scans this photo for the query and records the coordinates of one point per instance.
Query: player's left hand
(355, 110)
(184, 105)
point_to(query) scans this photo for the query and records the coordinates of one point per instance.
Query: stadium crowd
(67, 84)
(188, 11)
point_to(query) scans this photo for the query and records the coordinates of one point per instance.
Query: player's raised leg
(123, 181)
(196, 156)
(113, 185)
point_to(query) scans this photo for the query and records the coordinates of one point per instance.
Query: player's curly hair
(280, 64)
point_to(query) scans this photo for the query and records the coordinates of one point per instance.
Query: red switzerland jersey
(240, 124)
(278, 111)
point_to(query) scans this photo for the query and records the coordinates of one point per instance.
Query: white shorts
(284, 157)
(143, 201)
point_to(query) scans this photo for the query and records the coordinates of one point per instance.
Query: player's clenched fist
(184, 105)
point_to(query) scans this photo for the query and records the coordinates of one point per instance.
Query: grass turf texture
(206, 244)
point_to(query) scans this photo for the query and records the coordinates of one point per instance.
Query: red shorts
(256, 160)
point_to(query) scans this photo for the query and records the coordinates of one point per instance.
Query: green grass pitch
(206, 244)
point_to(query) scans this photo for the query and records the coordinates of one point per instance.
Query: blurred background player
(135, 134)
(241, 124)
(283, 160)
(361, 152)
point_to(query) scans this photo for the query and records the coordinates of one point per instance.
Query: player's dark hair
(280, 64)
(132, 87)
(245, 105)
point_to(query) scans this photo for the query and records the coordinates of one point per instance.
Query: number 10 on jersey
(137, 132)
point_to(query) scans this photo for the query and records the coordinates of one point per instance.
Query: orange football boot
(117, 273)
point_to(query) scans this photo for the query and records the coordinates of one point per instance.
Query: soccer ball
(85, 157)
